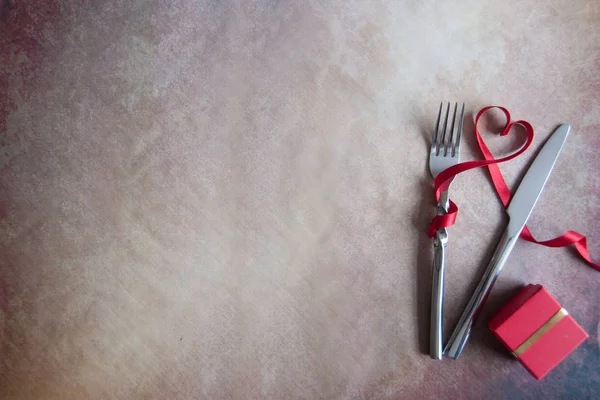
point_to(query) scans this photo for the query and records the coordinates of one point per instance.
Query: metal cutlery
(519, 210)
(444, 153)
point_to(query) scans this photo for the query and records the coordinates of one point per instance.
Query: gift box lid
(535, 327)
(523, 315)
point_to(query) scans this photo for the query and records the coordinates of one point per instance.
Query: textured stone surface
(218, 199)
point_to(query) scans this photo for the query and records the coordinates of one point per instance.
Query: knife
(518, 210)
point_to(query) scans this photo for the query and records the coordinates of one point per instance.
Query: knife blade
(519, 210)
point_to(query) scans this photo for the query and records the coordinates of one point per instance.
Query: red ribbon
(442, 182)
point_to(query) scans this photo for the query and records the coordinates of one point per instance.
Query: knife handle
(437, 294)
(461, 333)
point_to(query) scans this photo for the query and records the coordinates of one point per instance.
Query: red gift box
(537, 330)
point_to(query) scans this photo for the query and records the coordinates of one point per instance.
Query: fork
(444, 153)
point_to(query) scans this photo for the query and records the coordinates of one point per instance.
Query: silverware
(444, 153)
(519, 210)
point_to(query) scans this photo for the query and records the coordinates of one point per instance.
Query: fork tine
(443, 141)
(437, 128)
(450, 144)
(459, 132)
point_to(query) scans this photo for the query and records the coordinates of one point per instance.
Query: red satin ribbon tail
(567, 239)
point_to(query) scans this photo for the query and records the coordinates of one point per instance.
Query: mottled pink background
(228, 199)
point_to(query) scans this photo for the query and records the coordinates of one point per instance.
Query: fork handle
(437, 298)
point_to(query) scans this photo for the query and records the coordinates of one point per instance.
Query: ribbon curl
(443, 180)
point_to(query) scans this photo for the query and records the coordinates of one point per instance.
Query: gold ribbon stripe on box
(540, 332)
